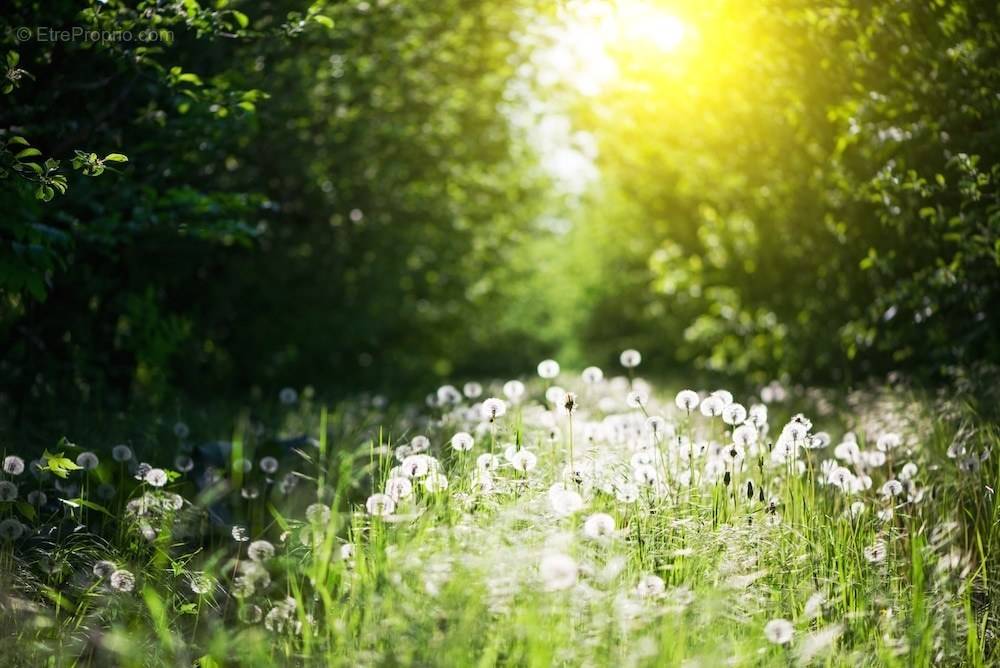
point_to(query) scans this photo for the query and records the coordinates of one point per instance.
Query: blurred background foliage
(353, 195)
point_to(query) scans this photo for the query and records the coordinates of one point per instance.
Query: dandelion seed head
(318, 514)
(636, 399)
(472, 390)
(156, 477)
(558, 572)
(779, 631)
(494, 408)
(630, 358)
(121, 453)
(8, 491)
(650, 586)
(11, 529)
(288, 396)
(548, 369)
(240, 534)
(183, 463)
(13, 465)
(523, 460)
(687, 400)
(592, 375)
(104, 568)
(598, 526)
(380, 505)
(122, 580)
(398, 488)
(268, 465)
(734, 414)
(88, 461)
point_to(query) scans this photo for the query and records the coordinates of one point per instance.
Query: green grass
(457, 577)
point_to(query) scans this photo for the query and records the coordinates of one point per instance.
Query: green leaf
(79, 501)
(116, 157)
(18, 140)
(58, 464)
(13, 58)
(325, 21)
(241, 18)
(27, 510)
(27, 153)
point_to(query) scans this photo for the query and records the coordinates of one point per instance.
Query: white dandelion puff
(13, 465)
(494, 408)
(592, 375)
(156, 477)
(598, 526)
(548, 369)
(630, 358)
(779, 631)
(380, 505)
(558, 572)
(122, 580)
(687, 400)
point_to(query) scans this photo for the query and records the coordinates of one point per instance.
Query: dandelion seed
(268, 465)
(779, 631)
(104, 568)
(494, 408)
(687, 400)
(598, 526)
(13, 465)
(462, 441)
(287, 396)
(8, 491)
(513, 390)
(887, 442)
(122, 580)
(240, 534)
(908, 472)
(876, 553)
(260, 550)
(592, 375)
(627, 493)
(435, 482)
(558, 572)
(200, 583)
(419, 444)
(37, 497)
(88, 461)
(635, 399)
(555, 395)
(548, 369)
(318, 514)
(183, 463)
(380, 505)
(11, 529)
(650, 586)
(398, 488)
(523, 460)
(472, 390)
(857, 508)
(712, 406)
(734, 414)
(564, 502)
(745, 435)
(121, 453)
(487, 462)
(416, 466)
(891, 488)
(630, 358)
(156, 477)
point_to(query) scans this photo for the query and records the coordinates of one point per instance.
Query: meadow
(574, 519)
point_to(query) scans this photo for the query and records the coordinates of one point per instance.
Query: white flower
(494, 408)
(513, 390)
(630, 358)
(712, 406)
(487, 462)
(779, 631)
(564, 502)
(13, 465)
(380, 505)
(734, 414)
(814, 605)
(523, 460)
(472, 390)
(260, 550)
(87, 461)
(891, 488)
(558, 571)
(598, 525)
(435, 482)
(416, 466)
(876, 552)
(908, 472)
(745, 435)
(888, 442)
(156, 477)
(419, 444)
(592, 375)
(650, 586)
(398, 488)
(121, 453)
(122, 580)
(555, 395)
(448, 395)
(687, 400)
(318, 513)
(548, 369)
(240, 534)
(636, 399)
(462, 441)
(725, 395)
(268, 465)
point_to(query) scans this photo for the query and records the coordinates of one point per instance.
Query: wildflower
(650, 586)
(122, 580)
(564, 502)
(11, 529)
(260, 550)
(462, 441)
(380, 505)
(448, 395)
(472, 390)
(627, 493)
(494, 408)
(636, 399)
(88, 461)
(687, 400)
(734, 414)
(513, 390)
(908, 472)
(318, 513)
(745, 435)
(37, 497)
(779, 631)
(200, 583)
(347, 551)
(420, 444)
(487, 462)
(724, 395)
(13, 465)
(121, 453)
(558, 571)
(8, 491)
(240, 534)
(847, 451)
(592, 375)
(398, 488)
(523, 460)
(891, 488)
(104, 568)
(173, 501)
(555, 395)
(857, 508)
(598, 525)
(876, 553)
(268, 465)
(630, 358)
(889, 441)
(435, 482)
(814, 605)
(288, 396)
(548, 369)
(156, 477)
(416, 466)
